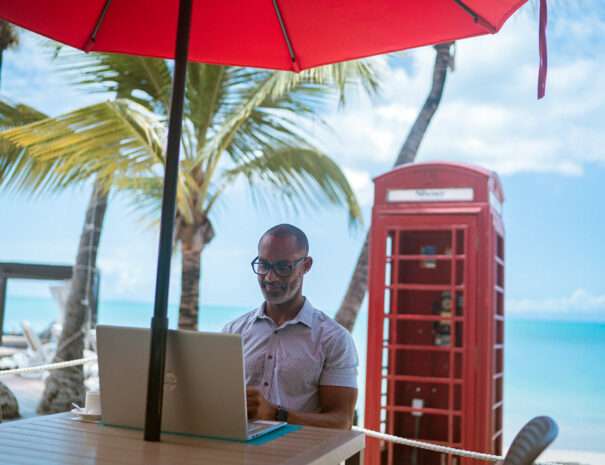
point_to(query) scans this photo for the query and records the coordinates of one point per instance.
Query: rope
(435, 447)
(70, 339)
(51, 366)
(386, 437)
(425, 445)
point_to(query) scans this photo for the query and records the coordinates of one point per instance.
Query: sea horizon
(549, 365)
(48, 306)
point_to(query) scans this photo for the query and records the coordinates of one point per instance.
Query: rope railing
(428, 446)
(437, 448)
(50, 366)
(367, 432)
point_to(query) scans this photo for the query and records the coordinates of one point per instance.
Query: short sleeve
(340, 367)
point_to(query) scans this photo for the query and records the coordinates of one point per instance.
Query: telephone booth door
(433, 372)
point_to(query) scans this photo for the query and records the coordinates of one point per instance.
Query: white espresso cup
(93, 402)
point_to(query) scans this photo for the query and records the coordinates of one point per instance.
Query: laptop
(204, 387)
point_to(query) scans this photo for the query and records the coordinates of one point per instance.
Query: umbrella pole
(159, 322)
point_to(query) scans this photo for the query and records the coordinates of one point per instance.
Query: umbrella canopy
(277, 34)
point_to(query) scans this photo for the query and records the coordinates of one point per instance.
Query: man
(301, 366)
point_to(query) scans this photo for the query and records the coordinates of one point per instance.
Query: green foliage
(112, 140)
(239, 123)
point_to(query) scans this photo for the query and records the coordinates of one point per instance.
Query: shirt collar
(304, 316)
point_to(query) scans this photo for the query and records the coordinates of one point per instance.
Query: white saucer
(87, 416)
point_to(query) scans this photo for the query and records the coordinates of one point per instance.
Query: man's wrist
(281, 414)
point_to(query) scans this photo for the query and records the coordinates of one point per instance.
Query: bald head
(289, 231)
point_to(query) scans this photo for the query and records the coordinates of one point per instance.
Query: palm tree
(9, 38)
(239, 124)
(66, 385)
(349, 308)
(23, 170)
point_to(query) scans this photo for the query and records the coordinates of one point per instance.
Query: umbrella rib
(477, 18)
(283, 28)
(91, 40)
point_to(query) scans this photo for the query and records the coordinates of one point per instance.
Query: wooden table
(57, 439)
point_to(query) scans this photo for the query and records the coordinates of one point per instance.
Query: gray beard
(285, 295)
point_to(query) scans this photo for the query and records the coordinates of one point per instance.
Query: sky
(548, 153)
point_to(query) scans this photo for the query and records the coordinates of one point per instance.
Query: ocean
(550, 367)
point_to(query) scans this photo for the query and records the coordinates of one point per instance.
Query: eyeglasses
(282, 270)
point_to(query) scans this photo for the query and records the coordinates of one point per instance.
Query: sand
(28, 392)
(572, 456)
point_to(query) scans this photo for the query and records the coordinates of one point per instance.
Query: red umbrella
(277, 34)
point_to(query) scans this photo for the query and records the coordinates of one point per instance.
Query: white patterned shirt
(288, 363)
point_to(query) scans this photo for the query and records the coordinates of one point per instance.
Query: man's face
(281, 250)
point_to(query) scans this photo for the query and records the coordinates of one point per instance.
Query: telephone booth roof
(437, 182)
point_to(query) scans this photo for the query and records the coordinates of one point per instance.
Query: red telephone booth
(436, 313)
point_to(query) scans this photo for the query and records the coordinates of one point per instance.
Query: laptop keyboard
(252, 427)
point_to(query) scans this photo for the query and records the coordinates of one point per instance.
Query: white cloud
(122, 274)
(30, 63)
(581, 300)
(362, 185)
(489, 114)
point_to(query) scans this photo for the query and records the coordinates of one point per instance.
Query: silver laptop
(204, 388)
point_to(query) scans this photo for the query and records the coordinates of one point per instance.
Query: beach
(29, 391)
(549, 369)
(572, 456)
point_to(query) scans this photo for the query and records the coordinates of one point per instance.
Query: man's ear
(306, 264)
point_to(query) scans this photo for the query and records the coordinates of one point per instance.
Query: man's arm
(337, 408)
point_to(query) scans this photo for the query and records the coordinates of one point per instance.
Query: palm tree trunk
(443, 59)
(66, 385)
(193, 238)
(349, 308)
(190, 286)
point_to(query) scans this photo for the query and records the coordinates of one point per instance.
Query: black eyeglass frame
(271, 266)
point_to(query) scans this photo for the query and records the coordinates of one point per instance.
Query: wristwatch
(281, 414)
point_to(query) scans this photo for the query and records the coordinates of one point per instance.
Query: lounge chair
(530, 441)
(33, 342)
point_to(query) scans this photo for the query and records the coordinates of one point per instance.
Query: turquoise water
(550, 367)
(557, 368)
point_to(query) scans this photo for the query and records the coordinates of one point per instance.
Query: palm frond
(266, 107)
(294, 176)
(115, 139)
(9, 35)
(17, 114)
(259, 96)
(147, 81)
(205, 91)
(348, 76)
(144, 196)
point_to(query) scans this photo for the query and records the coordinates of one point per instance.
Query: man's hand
(259, 408)
(337, 408)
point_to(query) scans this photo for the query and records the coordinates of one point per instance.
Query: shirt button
(270, 357)
(275, 332)
(266, 384)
